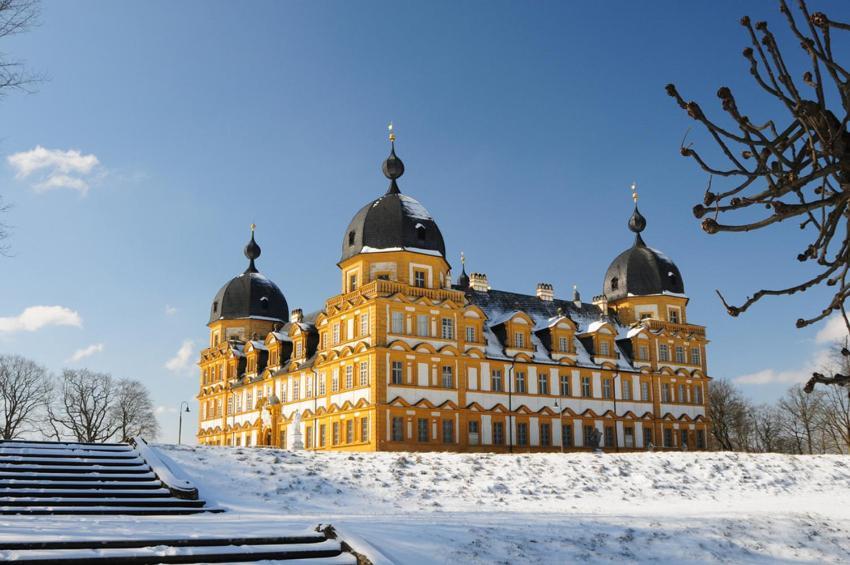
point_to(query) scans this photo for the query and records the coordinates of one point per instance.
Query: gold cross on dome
(253, 227)
(634, 192)
(462, 258)
(392, 134)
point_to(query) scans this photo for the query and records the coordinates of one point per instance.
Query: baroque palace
(406, 358)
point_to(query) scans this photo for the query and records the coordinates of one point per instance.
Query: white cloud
(170, 310)
(181, 362)
(163, 409)
(54, 168)
(833, 331)
(37, 317)
(85, 352)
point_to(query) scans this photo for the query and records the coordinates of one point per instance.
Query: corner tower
(393, 238)
(644, 283)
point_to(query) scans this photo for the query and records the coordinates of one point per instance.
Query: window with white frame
(565, 385)
(470, 333)
(627, 388)
(364, 373)
(364, 324)
(698, 394)
(496, 380)
(680, 354)
(349, 376)
(643, 353)
(448, 377)
(519, 339)
(585, 387)
(604, 347)
(695, 356)
(397, 374)
(336, 334)
(644, 391)
(419, 279)
(322, 384)
(543, 383)
(563, 344)
(673, 315)
(520, 382)
(397, 324)
(448, 328)
(299, 348)
(296, 394)
(663, 352)
(665, 392)
(683, 395)
(422, 325)
(335, 381)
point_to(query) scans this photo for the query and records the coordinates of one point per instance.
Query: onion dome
(641, 270)
(393, 222)
(250, 295)
(463, 279)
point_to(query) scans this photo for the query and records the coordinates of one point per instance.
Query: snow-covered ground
(538, 508)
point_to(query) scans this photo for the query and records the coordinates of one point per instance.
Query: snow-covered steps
(87, 478)
(314, 548)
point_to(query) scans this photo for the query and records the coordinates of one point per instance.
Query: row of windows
(679, 354)
(446, 434)
(349, 431)
(423, 326)
(684, 394)
(355, 327)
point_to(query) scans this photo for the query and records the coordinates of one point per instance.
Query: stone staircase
(318, 548)
(83, 478)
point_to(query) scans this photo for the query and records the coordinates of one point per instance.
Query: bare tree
(83, 407)
(132, 411)
(804, 417)
(24, 392)
(729, 414)
(767, 429)
(797, 166)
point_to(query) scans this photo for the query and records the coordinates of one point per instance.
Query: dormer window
(604, 348)
(264, 302)
(351, 238)
(420, 232)
(673, 316)
(419, 279)
(615, 283)
(215, 306)
(519, 339)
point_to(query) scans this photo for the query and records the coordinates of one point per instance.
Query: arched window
(264, 302)
(615, 283)
(351, 238)
(420, 232)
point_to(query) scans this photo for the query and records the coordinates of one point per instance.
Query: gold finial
(253, 227)
(462, 258)
(575, 287)
(634, 192)
(392, 134)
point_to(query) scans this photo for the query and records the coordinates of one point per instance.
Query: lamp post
(314, 441)
(180, 425)
(559, 405)
(510, 409)
(616, 443)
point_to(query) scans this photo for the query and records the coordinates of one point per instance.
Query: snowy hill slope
(547, 508)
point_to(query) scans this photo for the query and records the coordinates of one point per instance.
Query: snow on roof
(594, 326)
(413, 208)
(367, 249)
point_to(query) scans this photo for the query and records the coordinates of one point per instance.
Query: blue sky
(521, 126)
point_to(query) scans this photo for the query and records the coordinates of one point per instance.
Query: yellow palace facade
(408, 358)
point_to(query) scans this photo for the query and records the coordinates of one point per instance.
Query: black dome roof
(392, 221)
(250, 295)
(641, 270)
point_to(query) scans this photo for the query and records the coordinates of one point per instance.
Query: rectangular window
(308, 388)
(626, 388)
(473, 432)
(520, 382)
(448, 431)
(308, 437)
(543, 383)
(470, 334)
(352, 282)
(323, 435)
(422, 325)
(644, 391)
(565, 385)
(695, 356)
(335, 381)
(643, 353)
(238, 403)
(336, 334)
(609, 436)
(606, 388)
(422, 429)
(364, 324)
(668, 437)
(496, 381)
(680, 354)
(349, 376)
(397, 375)
(700, 439)
(665, 392)
(697, 394)
(364, 373)
(587, 431)
(349, 431)
(324, 343)
(673, 315)
(522, 433)
(629, 437)
(566, 435)
(683, 439)
(647, 437)
(295, 390)
(398, 429)
(604, 348)
(448, 377)
(397, 326)
(364, 429)
(545, 435)
(585, 387)
(322, 384)
(299, 348)
(419, 279)
(230, 405)
(448, 328)
(519, 339)
(563, 344)
(335, 437)
(663, 352)
(682, 397)
(249, 400)
(498, 433)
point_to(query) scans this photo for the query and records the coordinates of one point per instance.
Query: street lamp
(616, 442)
(510, 409)
(180, 425)
(314, 441)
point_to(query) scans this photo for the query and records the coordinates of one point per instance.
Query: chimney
(478, 281)
(601, 302)
(296, 316)
(545, 292)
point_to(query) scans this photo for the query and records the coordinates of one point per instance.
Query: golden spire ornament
(392, 134)
(634, 192)
(253, 227)
(462, 258)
